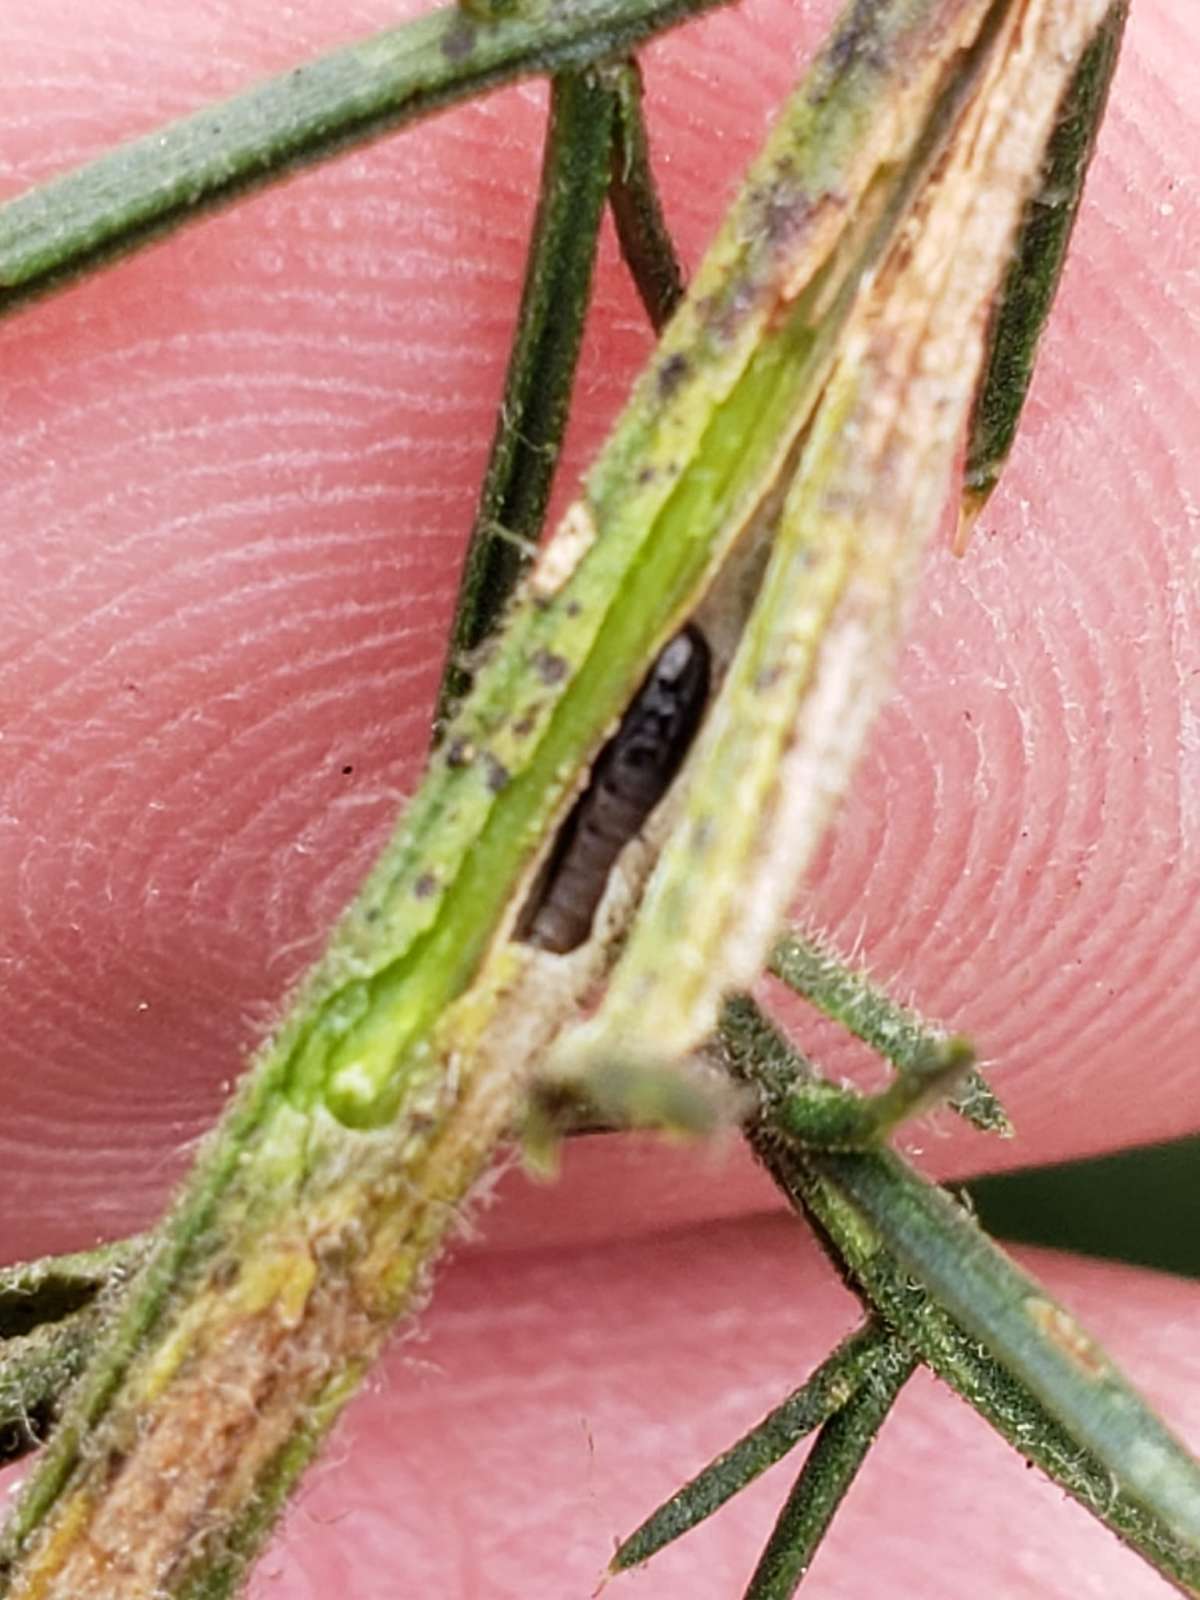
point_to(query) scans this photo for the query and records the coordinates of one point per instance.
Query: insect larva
(630, 776)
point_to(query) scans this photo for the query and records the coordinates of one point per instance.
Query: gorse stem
(909, 1251)
(1029, 1334)
(776, 408)
(315, 1212)
(929, 1272)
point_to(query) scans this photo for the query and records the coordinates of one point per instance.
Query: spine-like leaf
(825, 1479)
(863, 1359)
(1027, 294)
(541, 368)
(810, 968)
(152, 185)
(637, 208)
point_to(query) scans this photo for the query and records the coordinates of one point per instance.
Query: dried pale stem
(541, 367)
(874, 472)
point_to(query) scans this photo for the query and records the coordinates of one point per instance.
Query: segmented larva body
(630, 776)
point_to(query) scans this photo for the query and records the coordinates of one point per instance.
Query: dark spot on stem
(460, 753)
(114, 1461)
(550, 668)
(460, 39)
(725, 312)
(702, 833)
(425, 886)
(226, 1273)
(856, 42)
(496, 772)
(780, 210)
(671, 374)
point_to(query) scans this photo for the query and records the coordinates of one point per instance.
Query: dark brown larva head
(631, 774)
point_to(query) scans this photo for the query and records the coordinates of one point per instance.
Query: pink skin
(238, 470)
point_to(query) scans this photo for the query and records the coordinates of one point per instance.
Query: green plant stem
(150, 186)
(813, 970)
(857, 1362)
(1080, 1424)
(541, 367)
(1028, 292)
(833, 1463)
(959, 1359)
(1040, 1343)
(314, 1213)
(641, 223)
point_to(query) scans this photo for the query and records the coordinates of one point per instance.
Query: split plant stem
(317, 1208)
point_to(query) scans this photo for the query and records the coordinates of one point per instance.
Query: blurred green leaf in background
(1140, 1206)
